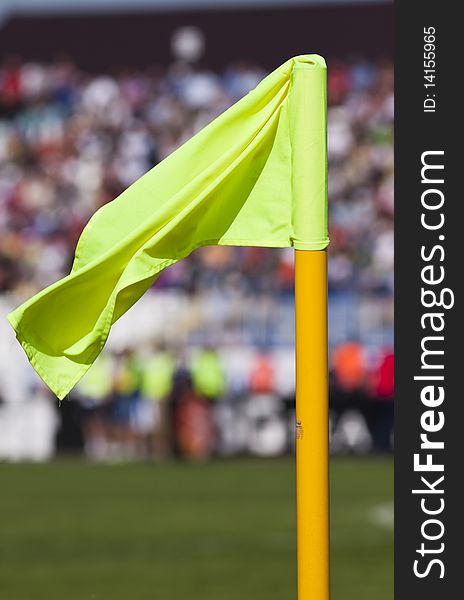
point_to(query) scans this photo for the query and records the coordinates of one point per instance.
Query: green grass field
(220, 531)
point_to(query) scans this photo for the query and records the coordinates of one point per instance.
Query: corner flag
(255, 176)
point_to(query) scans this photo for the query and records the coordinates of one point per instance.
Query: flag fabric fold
(255, 176)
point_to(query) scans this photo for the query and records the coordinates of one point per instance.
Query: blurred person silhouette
(125, 397)
(265, 410)
(209, 380)
(93, 394)
(207, 373)
(262, 374)
(190, 406)
(157, 373)
(381, 392)
(195, 431)
(10, 83)
(349, 372)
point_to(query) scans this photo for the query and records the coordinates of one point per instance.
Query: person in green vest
(207, 374)
(124, 409)
(156, 385)
(93, 394)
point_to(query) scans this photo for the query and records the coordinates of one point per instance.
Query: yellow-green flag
(256, 176)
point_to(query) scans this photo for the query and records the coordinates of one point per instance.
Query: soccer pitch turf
(225, 530)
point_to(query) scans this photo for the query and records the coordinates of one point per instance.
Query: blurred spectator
(349, 367)
(156, 387)
(124, 405)
(93, 393)
(381, 393)
(207, 374)
(262, 375)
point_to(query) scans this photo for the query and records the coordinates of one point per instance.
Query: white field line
(382, 515)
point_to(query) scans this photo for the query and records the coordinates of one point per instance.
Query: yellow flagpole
(312, 448)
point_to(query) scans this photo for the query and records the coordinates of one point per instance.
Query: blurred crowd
(136, 404)
(71, 141)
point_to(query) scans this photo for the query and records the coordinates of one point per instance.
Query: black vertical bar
(416, 132)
